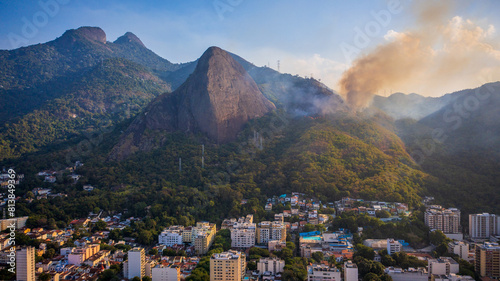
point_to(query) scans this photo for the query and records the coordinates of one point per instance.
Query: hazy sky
(319, 38)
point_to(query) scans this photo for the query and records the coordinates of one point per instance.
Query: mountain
(217, 99)
(298, 96)
(31, 76)
(104, 96)
(460, 145)
(399, 105)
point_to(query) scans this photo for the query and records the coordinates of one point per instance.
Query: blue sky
(306, 36)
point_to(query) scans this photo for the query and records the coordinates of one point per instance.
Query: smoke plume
(442, 53)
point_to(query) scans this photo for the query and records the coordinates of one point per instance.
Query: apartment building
(79, 255)
(243, 235)
(171, 236)
(350, 271)
(227, 266)
(460, 248)
(273, 265)
(164, 272)
(25, 263)
(446, 220)
(203, 235)
(321, 272)
(393, 246)
(269, 231)
(482, 226)
(442, 266)
(487, 261)
(136, 263)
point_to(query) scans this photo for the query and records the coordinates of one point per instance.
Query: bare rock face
(217, 100)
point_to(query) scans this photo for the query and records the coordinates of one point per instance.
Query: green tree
(364, 251)
(317, 256)
(100, 226)
(437, 237)
(383, 214)
(44, 276)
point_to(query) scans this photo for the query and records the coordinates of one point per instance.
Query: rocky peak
(129, 37)
(86, 32)
(218, 99)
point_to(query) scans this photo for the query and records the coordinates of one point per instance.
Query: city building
(411, 274)
(227, 266)
(446, 220)
(18, 222)
(203, 236)
(460, 248)
(350, 271)
(243, 235)
(171, 236)
(273, 265)
(482, 226)
(393, 246)
(487, 260)
(442, 266)
(79, 255)
(136, 263)
(269, 231)
(321, 272)
(165, 272)
(25, 264)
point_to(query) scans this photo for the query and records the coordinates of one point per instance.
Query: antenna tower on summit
(278, 65)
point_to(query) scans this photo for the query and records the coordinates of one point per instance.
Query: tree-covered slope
(108, 93)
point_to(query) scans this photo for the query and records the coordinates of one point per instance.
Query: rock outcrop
(218, 99)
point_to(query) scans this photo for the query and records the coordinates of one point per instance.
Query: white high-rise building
(393, 246)
(350, 271)
(460, 248)
(166, 273)
(243, 235)
(442, 266)
(482, 226)
(273, 265)
(321, 272)
(136, 264)
(25, 264)
(171, 236)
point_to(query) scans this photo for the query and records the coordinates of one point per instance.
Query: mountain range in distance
(54, 94)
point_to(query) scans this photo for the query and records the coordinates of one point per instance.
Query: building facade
(171, 236)
(321, 272)
(460, 248)
(227, 266)
(269, 231)
(350, 271)
(243, 235)
(393, 246)
(482, 226)
(203, 236)
(166, 273)
(273, 265)
(136, 263)
(25, 264)
(446, 220)
(487, 260)
(442, 266)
